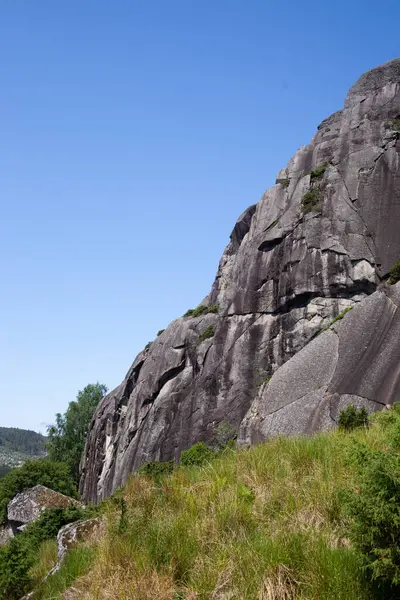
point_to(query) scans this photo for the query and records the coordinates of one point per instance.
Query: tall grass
(257, 524)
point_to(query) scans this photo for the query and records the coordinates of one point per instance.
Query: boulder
(28, 505)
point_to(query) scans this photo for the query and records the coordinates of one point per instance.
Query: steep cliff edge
(322, 239)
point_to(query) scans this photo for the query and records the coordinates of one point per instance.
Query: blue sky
(133, 134)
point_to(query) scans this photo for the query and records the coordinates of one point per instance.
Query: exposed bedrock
(322, 239)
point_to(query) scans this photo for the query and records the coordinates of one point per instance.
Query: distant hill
(16, 445)
(22, 440)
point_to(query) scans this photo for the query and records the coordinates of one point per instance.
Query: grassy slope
(263, 523)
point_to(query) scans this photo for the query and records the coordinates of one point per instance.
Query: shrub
(206, 334)
(147, 346)
(394, 274)
(156, 469)
(310, 201)
(318, 172)
(225, 434)
(54, 475)
(373, 506)
(18, 557)
(285, 182)
(351, 418)
(201, 310)
(338, 318)
(160, 331)
(198, 454)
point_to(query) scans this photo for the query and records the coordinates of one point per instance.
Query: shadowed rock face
(320, 240)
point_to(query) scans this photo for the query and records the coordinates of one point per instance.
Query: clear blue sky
(133, 134)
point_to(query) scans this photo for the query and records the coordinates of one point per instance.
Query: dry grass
(257, 524)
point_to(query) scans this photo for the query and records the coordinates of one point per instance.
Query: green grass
(206, 334)
(338, 318)
(260, 523)
(77, 563)
(394, 274)
(310, 201)
(318, 172)
(201, 310)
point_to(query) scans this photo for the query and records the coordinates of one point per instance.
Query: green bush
(198, 454)
(147, 346)
(373, 507)
(225, 434)
(351, 418)
(318, 172)
(206, 334)
(285, 182)
(201, 310)
(394, 274)
(54, 475)
(156, 469)
(20, 554)
(310, 201)
(160, 331)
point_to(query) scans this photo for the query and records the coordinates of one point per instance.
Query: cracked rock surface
(319, 241)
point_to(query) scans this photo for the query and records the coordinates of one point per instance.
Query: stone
(28, 505)
(285, 275)
(356, 361)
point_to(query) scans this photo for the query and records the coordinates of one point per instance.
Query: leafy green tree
(54, 475)
(66, 438)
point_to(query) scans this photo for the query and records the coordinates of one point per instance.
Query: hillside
(16, 445)
(268, 523)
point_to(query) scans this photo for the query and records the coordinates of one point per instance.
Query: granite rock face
(356, 361)
(322, 239)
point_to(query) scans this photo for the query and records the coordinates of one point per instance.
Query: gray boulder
(28, 506)
(322, 239)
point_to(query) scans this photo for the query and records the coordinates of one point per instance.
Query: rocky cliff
(321, 240)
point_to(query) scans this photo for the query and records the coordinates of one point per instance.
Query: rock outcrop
(27, 506)
(321, 240)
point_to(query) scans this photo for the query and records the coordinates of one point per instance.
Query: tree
(66, 438)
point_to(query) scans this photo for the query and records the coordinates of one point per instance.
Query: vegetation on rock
(394, 274)
(319, 171)
(310, 201)
(201, 310)
(339, 317)
(206, 334)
